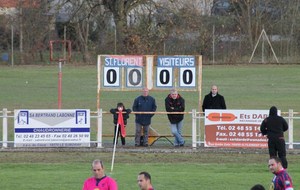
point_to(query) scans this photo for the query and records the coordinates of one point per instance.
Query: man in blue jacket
(143, 103)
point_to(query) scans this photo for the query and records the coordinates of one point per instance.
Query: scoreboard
(128, 72)
(156, 72)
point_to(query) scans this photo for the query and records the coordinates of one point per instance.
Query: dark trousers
(138, 130)
(118, 134)
(277, 148)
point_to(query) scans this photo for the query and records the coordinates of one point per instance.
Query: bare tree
(120, 10)
(81, 16)
(291, 27)
(155, 27)
(33, 31)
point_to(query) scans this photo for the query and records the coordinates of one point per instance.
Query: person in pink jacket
(99, 181)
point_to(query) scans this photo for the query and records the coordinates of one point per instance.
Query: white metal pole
(199, 127)
(194, 127)
(291, 128)
(4, 144)
(99, 131)
(114, 151)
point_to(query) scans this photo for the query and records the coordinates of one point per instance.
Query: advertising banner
(234, 128)
(52, 128)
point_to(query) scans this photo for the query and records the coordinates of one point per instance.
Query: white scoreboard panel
(164, 77)
(125, 72)
(187, 77)
(120, 69)
(111, 77)
(167, 69)
(134, 77)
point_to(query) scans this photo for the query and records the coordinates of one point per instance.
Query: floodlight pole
(59, 84)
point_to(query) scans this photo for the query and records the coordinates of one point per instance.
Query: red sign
(234, 128)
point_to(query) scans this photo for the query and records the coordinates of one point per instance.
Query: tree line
(159, 27)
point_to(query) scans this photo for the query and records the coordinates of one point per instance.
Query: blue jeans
(176, 130)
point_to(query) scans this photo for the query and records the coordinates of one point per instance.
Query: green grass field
(190, 171)
(244, 87)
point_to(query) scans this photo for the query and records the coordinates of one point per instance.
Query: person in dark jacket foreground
(274, 126)
(175, 103)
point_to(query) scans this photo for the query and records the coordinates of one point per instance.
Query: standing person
(274, 126)
(213, 100)
(99, 180)
(281, 180)
(143, 103)
(175, 103)
(115, 111)
(144, 181)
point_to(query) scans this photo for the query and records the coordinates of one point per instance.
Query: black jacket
(115, 113)
(175, 105)
(210, 102)
(274, 125)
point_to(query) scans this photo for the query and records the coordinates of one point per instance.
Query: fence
(197, 125)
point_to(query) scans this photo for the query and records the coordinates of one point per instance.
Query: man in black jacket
(175, 103)
(274, 126)
(213, 100)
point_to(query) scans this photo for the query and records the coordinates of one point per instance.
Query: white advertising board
(235, 128)
(52, 128)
